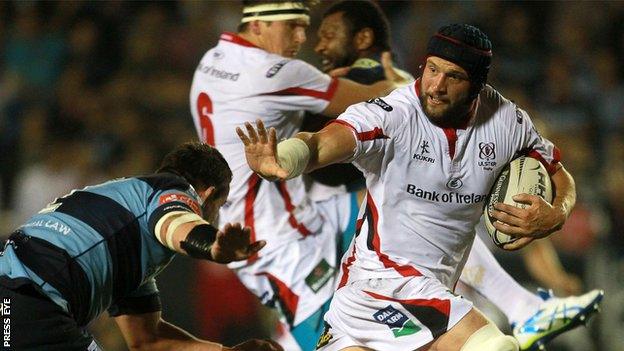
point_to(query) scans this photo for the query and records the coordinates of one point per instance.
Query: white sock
(483, 273)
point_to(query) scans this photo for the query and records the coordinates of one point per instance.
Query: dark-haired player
(99, 248)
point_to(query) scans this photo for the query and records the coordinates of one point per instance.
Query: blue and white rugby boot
(555, 316)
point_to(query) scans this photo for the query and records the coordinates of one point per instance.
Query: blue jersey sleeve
(366, 76)
(169, 201)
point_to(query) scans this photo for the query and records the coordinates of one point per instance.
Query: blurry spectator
(609, 103)
(614, 191)
(31, 63)
(559, 102)
(518, 59)
(143, 42)
(63, 167)
(89, 49)
(10, 155)
(32, 53)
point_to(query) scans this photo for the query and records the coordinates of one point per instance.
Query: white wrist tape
(179, 218)
(293, 155)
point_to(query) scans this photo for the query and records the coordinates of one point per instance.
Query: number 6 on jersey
(204, 110)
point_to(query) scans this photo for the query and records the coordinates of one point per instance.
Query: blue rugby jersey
(95, 249)
(366, 70)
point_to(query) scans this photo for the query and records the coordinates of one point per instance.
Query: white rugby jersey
(237, 82)
(427, 185)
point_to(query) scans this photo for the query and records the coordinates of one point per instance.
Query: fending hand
(233, 244)
(261, 150)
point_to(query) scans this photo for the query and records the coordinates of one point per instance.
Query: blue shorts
(37, 323)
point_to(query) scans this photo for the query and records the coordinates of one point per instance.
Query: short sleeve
(297, 85)
(145, 299)
(375, 124)
(533, 144)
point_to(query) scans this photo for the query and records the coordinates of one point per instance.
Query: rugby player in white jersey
(353, 34)
(417, 223)
(253, 74)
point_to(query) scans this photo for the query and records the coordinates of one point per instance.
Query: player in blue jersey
(99, 248)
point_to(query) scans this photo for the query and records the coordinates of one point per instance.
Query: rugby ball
(522, 175)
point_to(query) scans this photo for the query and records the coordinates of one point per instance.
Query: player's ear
(208, 194)
(364, 39)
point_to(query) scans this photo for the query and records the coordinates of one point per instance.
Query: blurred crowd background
(96, 90)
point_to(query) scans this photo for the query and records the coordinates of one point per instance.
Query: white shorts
(299, 276)
(391, 314)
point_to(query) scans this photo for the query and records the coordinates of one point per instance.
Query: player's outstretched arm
(291, 157)
(149, 331)
(261, 150)
(332, 144)
(350, 92)
(193, 236)
(539, 218)
(233, 244)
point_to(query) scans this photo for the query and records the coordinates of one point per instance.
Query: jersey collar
(236, 39)
(369, 61)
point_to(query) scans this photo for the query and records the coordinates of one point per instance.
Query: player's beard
(342, 58)
(451, 116)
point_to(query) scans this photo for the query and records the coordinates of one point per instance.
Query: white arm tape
(293, 155)
(179, 218)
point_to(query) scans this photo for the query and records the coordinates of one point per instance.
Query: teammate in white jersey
(251, 75)
(419, 151)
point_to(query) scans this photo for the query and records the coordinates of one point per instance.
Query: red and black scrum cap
(465, 45)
